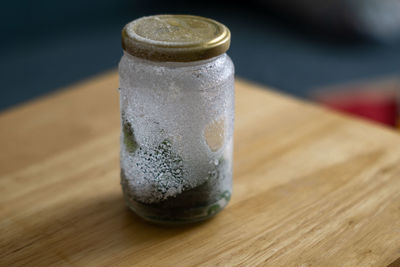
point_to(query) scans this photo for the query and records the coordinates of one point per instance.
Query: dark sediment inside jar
(195, 204)
(192, 204)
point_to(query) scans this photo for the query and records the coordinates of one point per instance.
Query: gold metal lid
(178, 38)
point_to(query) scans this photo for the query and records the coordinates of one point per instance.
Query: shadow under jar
(177, 114)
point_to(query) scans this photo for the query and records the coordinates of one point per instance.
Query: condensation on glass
(177, 114)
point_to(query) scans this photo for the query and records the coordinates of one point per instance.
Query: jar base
(176, 216)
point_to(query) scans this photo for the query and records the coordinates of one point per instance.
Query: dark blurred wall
(50, 44)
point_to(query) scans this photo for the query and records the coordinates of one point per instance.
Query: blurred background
(342, 53)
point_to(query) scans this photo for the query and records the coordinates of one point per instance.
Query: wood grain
(311, 188)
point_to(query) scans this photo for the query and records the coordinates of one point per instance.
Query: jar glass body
(176, 137)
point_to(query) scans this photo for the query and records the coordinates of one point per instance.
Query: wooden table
(311, 187)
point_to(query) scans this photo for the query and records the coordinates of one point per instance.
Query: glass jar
(177, 114)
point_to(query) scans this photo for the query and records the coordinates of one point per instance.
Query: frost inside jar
(177, 123)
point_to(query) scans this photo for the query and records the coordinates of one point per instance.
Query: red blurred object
(375, 101)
